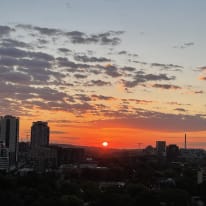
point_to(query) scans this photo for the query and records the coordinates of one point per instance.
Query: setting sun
(105, 144)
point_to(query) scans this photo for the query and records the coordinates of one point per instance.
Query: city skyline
(124, 72)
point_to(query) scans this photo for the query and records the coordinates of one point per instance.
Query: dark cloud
(112, 70)
(77, 37)
(199, 91)
(138, 101)
(83, 97)
(64, 62)
(177, 103)
(84, 58)
(185, 45)
(166, 86)
(13, 52)
(102, 97)
(141, 77)
(129, 69)
(140, 62)
(154, 121)
(180, 110)
(19, 53)
(80, 76)
(5, 30)
(123, 52)
(47, 31)
(13, 76)
(10, 43)
(99, 83)
(64, 50)
(107, 38)
(173, 67)
(203, 68)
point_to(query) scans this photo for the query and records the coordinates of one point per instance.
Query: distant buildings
(172, 152)
(4, 157)
(39, 134)
(9, 137)
(161, 148)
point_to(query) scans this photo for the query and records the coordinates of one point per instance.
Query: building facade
(4, 157)
(161, 148)
(39, 134)
(9, 136)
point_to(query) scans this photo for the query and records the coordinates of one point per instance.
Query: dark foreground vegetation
(143, 182)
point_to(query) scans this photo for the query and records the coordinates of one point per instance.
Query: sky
(127, 72)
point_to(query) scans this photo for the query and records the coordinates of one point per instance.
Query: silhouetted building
(39, 134)
(149, 150)
(172, 152)
(71, 155)
(43, 158)
(4, 157)
(9, 135)
(24, 150)
(161, 148)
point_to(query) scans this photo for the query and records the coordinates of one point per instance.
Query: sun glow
(105, 144)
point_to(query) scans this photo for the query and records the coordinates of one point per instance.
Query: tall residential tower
(39, 134)
(9, 136)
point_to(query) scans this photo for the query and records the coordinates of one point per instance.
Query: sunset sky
(121, 71)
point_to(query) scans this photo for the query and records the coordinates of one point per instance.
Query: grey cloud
(64, 50)
(189, 44)
(107, 38)
(199, 91)
(140, 62)
(141, 77)
(84, 58)
(203, 68)
(80, 76)
(180, 110)
(167, 66)
(64, 62)
(102, 97)
(5, 30)
(185, 45)
(83, 97)
(13, 76)
(13, 52)
(166, 86)
(177, 103)
(78, 37)
(47, 31)
(10, 43)
(19, 53)
(112, 71)
(129, 69)
(155, 121)
(99, 83)
(123, 52)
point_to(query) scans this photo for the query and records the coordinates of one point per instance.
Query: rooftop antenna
(185, 141)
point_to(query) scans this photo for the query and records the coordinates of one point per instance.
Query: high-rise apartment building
(39, 134)
(161, 148)
(9, 136)
(4, 157)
